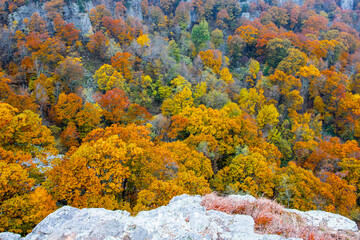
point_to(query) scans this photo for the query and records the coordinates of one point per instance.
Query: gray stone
(331, 220)
(243, 197)
(347, 4)
(182, 218)
(134, 9)
(9, 236)
(325, 219)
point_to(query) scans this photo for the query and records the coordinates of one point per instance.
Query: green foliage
(200, 35)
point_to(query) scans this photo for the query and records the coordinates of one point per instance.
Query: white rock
(334, 221)
(182, 218)
(331, 220)
(243, 197)
(9, 236)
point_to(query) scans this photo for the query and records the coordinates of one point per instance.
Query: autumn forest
(124, 104)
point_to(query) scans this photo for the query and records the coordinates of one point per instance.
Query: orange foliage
(67, 107)
(123, 63)
(212, 59)
(98, 44)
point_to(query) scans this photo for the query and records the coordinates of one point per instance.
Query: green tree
(200, 34)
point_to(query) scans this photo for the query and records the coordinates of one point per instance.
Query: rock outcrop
(347, 4)
(9, 236)
(326, 219)
(72, 13)
(183, 218)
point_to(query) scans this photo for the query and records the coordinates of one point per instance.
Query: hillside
(125, 104)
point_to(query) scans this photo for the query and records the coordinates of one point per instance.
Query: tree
(251, 100)
(98, 44)
(294, 60)
(235, 46)
(96, 170)
(71, 72)
(70, 136)
(143, 40)
(249, 33)
(268, 115)
(120, 10)
(88, 118)
(299, 188)
(277, 50)
(67, 107)
(182, 15)
(54, 8)
(200, 35)
(23, 132)
(66, 31)
(315, 24)
(254, 68)
(343, 193)
(217, 37)
(50, 52)
(109, 78)
(123, 63)
(212, 59)
(221, 18)
(97, 14)
(249, 173)
(182, 99)
(226, 76)
(114, 104)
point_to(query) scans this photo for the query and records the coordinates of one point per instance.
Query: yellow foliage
(268, 114)
(251, 174)
(143, 40)
(109, 78)
(226, 76)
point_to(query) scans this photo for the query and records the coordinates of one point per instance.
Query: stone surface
(331, 220)
(243, 197)
(326, 219)
(347, 4)
(182, 218)
(9, 236)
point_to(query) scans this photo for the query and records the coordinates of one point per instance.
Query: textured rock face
(72, 14)
(135, 9)
(347, 4)
(183, 218)
(298, 2)
(9, 236)
(326, 219)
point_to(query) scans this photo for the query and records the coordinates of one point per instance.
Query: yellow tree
(24, 131)
(67, 107)
(109, 78)
(181, 100)
(88, 118)
(299, 188)
(249, 173)
(143, 40)
(268, 115)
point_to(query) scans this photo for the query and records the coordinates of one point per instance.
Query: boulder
(182, 218)
(9, 236)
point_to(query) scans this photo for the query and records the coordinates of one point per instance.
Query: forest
(141, 101)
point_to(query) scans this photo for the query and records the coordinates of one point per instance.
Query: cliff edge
(185, 217)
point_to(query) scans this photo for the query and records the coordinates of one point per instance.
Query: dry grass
(271, 218)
